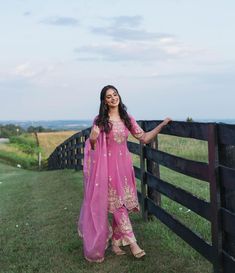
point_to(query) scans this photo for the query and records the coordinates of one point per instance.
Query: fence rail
(219, 172)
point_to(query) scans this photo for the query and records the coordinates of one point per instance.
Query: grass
(21, 150)
(190, 149)
(38, 212)
(50, 140)
(184, 147)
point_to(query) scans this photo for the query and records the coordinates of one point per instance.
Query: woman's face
(112, 98)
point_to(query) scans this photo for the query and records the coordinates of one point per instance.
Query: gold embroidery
(114, 200)
(124, 227)
(97, 260)
(124, 241)
(125, 224)
(129, 197)
(119, 132)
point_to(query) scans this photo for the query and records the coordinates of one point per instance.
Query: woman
(109, 179)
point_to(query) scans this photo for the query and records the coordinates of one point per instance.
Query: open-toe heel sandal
(139, 255)
(118, 252)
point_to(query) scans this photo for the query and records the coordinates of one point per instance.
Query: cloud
(60, 21)
(24, 70)
(132, 43)
(164, 49)
(30, 71)
(127, 21)
(121, 52)
(126, 28)
(127, 34)
(27, 13)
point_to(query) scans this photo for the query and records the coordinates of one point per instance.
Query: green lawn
(22, 150)
(38, 212)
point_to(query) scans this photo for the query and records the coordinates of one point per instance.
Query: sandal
(138, 254)
(118, 252)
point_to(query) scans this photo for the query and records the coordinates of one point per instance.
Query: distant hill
(51, 124)
(227, 121)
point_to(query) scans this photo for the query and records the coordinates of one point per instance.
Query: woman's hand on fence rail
(166, 121)
(150, 136)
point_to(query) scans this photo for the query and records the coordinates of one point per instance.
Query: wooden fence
(219, 172)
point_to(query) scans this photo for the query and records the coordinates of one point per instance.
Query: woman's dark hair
(103, 118)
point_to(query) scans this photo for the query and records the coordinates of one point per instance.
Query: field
(23, 150)
(190, 149)
(38, 219)
(49, 141)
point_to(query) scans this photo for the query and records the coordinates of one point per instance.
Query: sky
(167, 58)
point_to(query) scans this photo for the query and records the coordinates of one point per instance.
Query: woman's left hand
(166, 121)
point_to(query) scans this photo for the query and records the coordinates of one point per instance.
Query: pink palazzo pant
(122, 229)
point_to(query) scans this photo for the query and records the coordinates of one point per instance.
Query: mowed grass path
(38, 212)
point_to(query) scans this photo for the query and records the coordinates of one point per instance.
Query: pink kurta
(121, 176)
(109, 184)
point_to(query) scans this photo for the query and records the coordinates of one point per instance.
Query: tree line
(10, 130)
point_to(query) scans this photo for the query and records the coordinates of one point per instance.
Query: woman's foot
(137, 251)
(117, 250)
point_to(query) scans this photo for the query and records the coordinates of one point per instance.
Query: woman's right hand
(95, 131)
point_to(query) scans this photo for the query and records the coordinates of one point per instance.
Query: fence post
(39, 161)
(79, 160)
(216, 229)
(59, 157)
(84, 138)
(69, 154)
(142, 179)
(39, 153)
(227, 159)
(62, 159)
(154, 169)
(73, 152)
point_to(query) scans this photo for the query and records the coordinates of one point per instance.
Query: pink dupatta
(93, 224)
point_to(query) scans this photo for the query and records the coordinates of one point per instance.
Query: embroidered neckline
(115, 120)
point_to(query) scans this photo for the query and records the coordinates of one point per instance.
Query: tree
(189, 119)
(9, 130)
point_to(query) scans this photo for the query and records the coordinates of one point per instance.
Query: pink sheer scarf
(93, 224)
